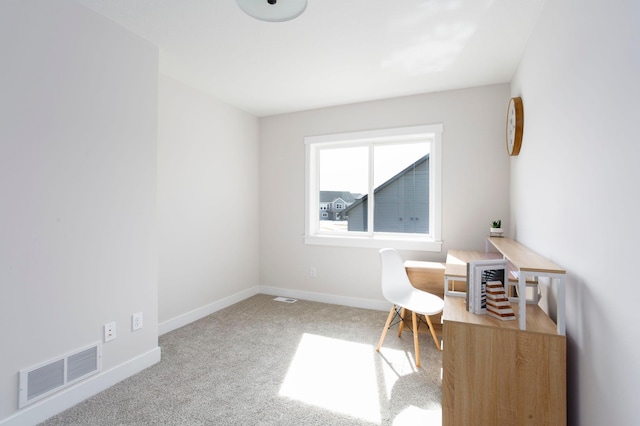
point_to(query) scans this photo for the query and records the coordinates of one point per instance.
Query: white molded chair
(398, 290)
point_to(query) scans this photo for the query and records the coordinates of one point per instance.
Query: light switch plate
(136, 321)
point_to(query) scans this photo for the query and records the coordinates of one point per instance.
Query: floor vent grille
(42, 380)
(285, 299)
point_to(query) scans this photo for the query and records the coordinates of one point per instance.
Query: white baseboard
(67, 398)
(189, 317)
(377, 305)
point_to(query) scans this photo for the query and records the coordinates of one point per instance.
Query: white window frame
(370, 239)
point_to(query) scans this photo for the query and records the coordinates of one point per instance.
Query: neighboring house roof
(331, 196)
(409, 168)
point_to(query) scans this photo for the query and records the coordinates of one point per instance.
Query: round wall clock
(515, 126)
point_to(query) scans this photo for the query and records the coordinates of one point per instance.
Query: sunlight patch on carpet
(397, 363)
(334, 374)
(413, 415)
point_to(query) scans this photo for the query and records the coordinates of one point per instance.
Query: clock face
(515, 122)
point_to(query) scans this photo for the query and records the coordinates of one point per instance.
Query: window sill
(422, 244)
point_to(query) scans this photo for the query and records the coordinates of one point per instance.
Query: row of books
(498, 304)
(485, 289)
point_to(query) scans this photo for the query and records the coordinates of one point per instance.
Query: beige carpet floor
(264, 362)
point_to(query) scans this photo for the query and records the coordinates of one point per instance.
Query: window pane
(401, 178)
(396, 170)
(343, 183)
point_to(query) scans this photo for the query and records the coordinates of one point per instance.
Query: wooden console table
(494, 373)
(503, 372)
(530, 264)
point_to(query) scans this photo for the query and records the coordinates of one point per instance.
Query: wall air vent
(42, 380)
(285, 299)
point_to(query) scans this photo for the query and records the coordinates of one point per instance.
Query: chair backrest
(396, 286)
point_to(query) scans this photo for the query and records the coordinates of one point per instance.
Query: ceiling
(337, 52)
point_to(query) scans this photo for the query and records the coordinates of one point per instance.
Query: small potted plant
(496, 228)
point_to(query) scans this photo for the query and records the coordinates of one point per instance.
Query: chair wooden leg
(414, 320)
(433, 332)
(386, 327)
(401, 326)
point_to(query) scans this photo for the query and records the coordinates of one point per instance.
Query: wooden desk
(496, 374)
(426, 276)
(528, 263)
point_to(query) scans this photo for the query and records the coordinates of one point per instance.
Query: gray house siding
(357, 216)
(396, 207)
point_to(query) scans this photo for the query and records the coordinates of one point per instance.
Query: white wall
(78, 123)
(475, 185)
(574, 193)
(78, 181)
(207, 204)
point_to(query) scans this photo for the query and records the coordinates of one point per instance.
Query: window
(384, 187)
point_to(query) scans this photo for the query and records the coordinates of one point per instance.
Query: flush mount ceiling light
(273, 10)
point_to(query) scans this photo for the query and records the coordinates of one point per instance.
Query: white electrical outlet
(136, 321)
(313, 272)
(109, 331)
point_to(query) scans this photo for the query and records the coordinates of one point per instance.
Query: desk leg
(561, 307)
(522, 300)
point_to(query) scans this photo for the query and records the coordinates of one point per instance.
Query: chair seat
(421, 302)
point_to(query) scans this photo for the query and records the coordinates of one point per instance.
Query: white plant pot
(495, 230)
